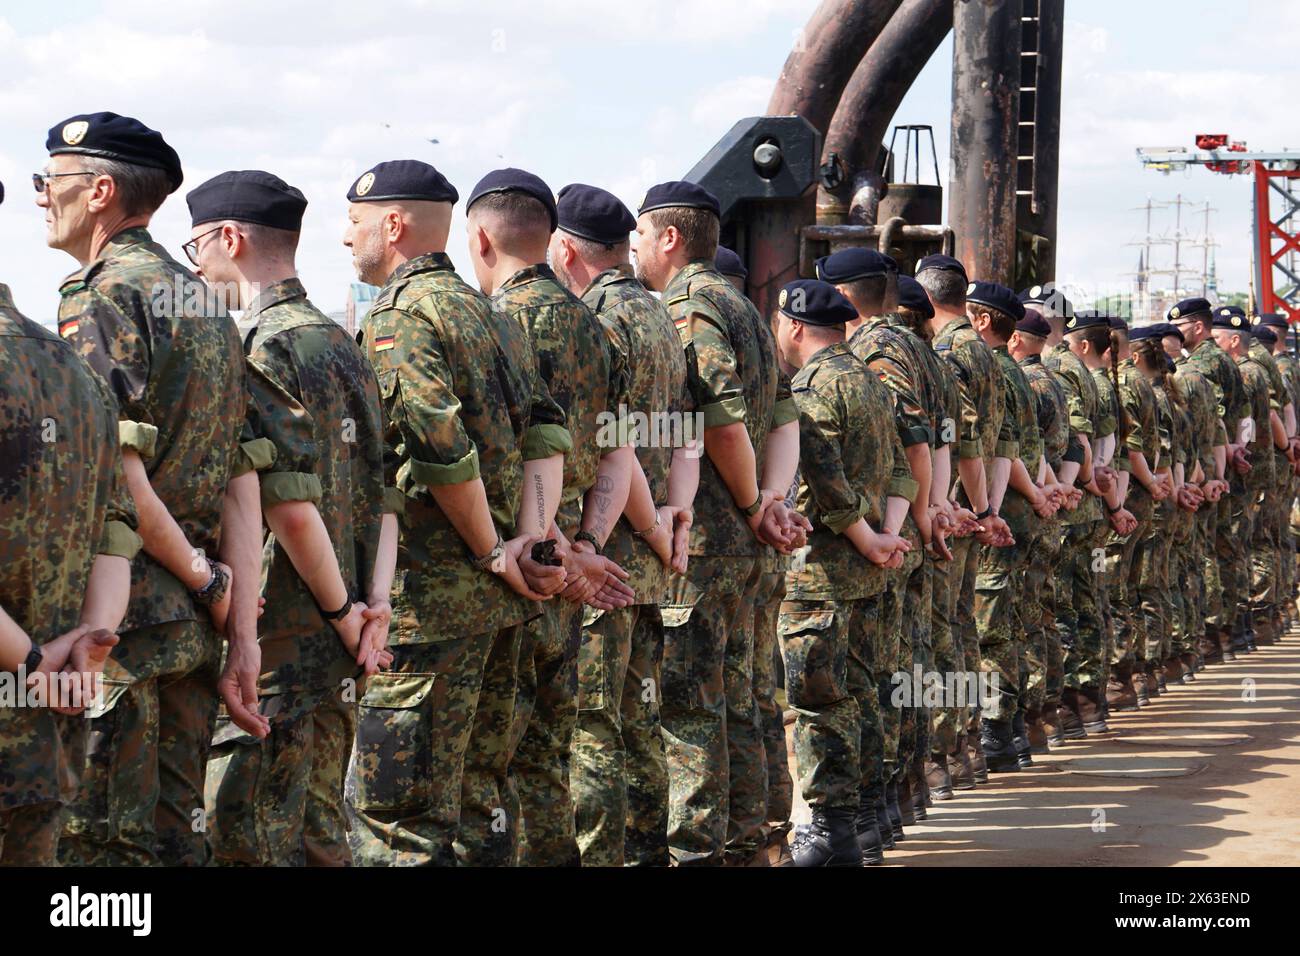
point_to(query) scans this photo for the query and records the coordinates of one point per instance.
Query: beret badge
(75, 132)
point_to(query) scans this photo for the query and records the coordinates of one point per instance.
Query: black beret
(911, 295)
(1086, 319)
(110, 136)
(1155, 330)
(815, 303)
(1232, 319)
(1230, 310)
(1266, 334)
(402, 179)
(1171, 329)
(1272, 319)
(679, 193)
(1034, 324)
(995, 297)
(2, 192)
(1117, 324)
(511, 180)
(729, 264)
(1049, 300)
(589, 212)
(1187, 308)
(248, 195)
(942, 263)
(850, 265)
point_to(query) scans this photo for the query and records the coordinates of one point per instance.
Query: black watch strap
(986, 513)
(35, 657)
(338, 615)
(590, 538)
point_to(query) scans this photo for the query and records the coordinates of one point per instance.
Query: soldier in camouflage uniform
(1126, 554)
(1223, 552)
(278, 800)
(869, 280)
(1042, 663)
(618, 769)
(767, 651)
(511, 217)
(981, 392)
(172, 358)
(994, 311)
(852, 472)
(59, 420)
(1288, 481)
(462, 408)
(716, 763)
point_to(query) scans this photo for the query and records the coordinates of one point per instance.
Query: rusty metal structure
(815, 174)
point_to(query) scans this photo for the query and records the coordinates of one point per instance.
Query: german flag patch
(69, 326)
(384, 342)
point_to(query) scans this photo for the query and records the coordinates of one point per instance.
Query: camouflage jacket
(1254, 377)
(461, 399)
(1276, 387)
(895, 355)
(573, 358)
(980, 385)
(1083, 404)
(641, 333)
(1205, 426)
(850, 461)
(1020, 439)
(733, 377)
(1108, 411)
(171, 356)
(1225, 379)
(339, 467)
(1289, 369)
(1138, 405)
(63, 500)
(1050, 408)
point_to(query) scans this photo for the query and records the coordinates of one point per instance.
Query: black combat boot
(1053, 726)
(895, 813)
(1089, 703)
(830, 840)
(959, 766)
(1068, 711)
(938, 777)
(921, 800)
(906, 805)
(1020, 741)
(978, 764)
(868, 832)
(1248, 631)
(883, 823)
(999, 750)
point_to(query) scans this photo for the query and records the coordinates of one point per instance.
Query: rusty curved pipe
(833, 41)
(874, 92)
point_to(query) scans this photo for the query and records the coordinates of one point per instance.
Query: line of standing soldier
(503, 580)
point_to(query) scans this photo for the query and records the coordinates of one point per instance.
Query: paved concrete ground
(1209, 774)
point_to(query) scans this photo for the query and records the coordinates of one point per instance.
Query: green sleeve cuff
(540, 441)
(1121, 464)
(1134, 442)
(786, 411)
(726, 412)
(903, 488)
(137, 437)
(119, 540)
(255, 455)
(1007, 449)
(394, 501)
(968, 448)
(429, 475)
(1080, 425)
(281, 486)
(915, 435)
(840, 521)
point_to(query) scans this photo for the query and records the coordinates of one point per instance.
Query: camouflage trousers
(915, 651)
(832, 679)
(946, 649)
(29, 835)
(1207, 538)
(279, 801)
(966, 556)
(1078, 613)
(767, 612)
(1124, 559)
(415, 730)
(1184, 583)
(1227, 561)
(140, 801)
(1266, 551)
(716, 763)
(1155, 639)
(546, 711)
(888, 658)
(618, 769)
(998, 587)
(1042, 660)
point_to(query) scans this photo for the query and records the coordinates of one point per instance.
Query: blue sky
(584, 90)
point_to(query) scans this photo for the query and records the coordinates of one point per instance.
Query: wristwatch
(753, 509)
(986, 513)
(338, 615)
(35, 657)
(215, 589)
(494, 560)
(590, 538)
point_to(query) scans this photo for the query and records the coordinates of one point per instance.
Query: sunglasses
(41, 180)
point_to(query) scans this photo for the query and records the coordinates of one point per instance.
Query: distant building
(360, 297)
